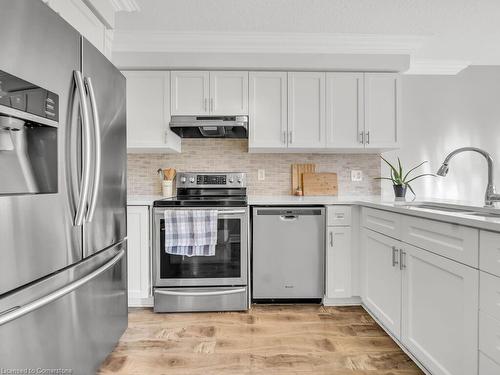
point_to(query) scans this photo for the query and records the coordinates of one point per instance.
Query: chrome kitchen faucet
(490, 196)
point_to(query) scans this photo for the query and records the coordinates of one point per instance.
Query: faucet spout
(490, 196)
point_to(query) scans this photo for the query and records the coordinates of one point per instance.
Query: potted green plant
(401, 180)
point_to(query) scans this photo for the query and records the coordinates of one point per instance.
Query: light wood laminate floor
(270, 339)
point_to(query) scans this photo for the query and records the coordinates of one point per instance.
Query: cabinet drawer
(384, 222)
(489, 258)
(489, 336)
(489, 292)
(449, 240)
(339, 215)
(487, 366)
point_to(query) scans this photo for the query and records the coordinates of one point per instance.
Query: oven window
(225, 264)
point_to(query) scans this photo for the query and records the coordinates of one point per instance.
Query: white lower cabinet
(427, 301)
(439, 315)
(338, 263)
(138, 256)
(382, 279)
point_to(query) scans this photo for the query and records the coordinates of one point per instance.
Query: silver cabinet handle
(368, 137)
(284, 137)
(331, 239)
(395, 256)
(97, 149)
(86, 148)
(402, 259)
(290, 133)
(19, 311)
(201, 294)
(362, 138)
(205, 104)
(211, 104)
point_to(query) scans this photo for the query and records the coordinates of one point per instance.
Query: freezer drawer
(69, 321)
(288, 252)
(201, 299)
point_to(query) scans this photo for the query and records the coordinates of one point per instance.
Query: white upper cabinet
(201, 93)
(306, 110)
(382, 97)
(190, 93)
(148, 112)
(229, 93)
(344, 110)
(268, 110)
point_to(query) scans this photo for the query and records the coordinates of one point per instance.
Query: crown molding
(125, 5)
(436, 67)
(243, 42)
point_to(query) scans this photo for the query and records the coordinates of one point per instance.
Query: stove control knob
(191, 179)
(183, 180)
(239, 180)
(231, 180)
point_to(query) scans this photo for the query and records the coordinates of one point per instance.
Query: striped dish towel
(190, 232)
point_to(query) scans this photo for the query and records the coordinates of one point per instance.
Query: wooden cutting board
(320, 183)
(297, 171)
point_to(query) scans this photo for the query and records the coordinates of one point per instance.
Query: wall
(441, 113)
(231, 155)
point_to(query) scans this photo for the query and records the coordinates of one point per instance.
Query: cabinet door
(382, 279)
(190, 93)
(138, 254)
(229, 93)
(306, 110)
(268, 110)
(440, 312)
(382, 99)
(344, 110)
(148, 112)
(338, 262)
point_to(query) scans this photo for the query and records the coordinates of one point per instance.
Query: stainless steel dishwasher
(288, 252)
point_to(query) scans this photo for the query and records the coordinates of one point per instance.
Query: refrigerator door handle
(86, 148)
(18, 311)
(97, 148)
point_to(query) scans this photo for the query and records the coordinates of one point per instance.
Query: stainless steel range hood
(210, 126)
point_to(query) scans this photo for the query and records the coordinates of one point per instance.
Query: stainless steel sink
(484, 214)
(439, 207)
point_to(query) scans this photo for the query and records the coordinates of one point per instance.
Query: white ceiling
(448, 31)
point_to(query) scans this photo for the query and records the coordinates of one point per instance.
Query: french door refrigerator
(63, 297)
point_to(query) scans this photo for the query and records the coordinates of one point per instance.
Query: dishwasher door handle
(289, 217)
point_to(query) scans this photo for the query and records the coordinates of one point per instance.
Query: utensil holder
(167, 188)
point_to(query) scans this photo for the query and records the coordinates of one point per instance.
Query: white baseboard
(352, 301)
(140, 302)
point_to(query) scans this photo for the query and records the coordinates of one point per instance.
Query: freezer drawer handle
(97, 149)
(201, 294)
(87, 149)
(32, 306)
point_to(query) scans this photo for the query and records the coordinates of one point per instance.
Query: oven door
(227, 268)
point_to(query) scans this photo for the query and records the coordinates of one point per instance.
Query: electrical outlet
(356, 175)
(261, 174)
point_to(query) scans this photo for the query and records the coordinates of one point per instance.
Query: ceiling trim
(242, 42)
(436, 67)
(125, 5)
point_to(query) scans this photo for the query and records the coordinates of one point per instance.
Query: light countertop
(408, 208)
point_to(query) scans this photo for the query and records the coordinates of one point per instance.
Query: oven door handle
(201, 294)
(232, 212)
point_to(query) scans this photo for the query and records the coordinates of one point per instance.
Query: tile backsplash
(231, 155)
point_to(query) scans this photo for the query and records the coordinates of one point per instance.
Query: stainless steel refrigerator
(63, 289)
